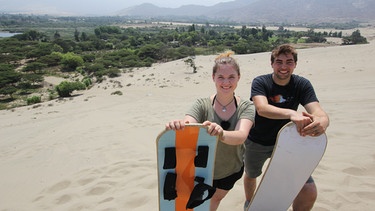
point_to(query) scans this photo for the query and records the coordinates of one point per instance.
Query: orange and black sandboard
(177, 153)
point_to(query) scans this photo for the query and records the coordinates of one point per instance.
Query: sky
(84, 7)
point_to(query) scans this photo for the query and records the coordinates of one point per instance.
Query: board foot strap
(202, 157)
(197, 196)
(170, 158)
(170, 192)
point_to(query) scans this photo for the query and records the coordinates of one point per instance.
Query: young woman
(227, 116)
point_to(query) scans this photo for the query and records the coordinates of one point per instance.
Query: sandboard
(186, 161)
(292, 162)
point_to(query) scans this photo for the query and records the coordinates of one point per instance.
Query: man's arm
(272, 112)
(320, 119)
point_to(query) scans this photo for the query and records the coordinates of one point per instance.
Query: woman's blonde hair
(226, 58)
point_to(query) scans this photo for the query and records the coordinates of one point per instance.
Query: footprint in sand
(64, 199)
(106, 200)
(98, 190)
(86, 181)
(104, 184)
(59, 186)
(354, 171)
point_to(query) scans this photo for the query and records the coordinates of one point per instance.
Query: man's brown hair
(283, 49)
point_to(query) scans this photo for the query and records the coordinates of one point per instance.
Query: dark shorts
(255, 157)
(228, 182)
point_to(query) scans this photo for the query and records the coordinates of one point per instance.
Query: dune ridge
(96, 151)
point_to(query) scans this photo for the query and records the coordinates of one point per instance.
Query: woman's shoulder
(246, 109)
(203, 101)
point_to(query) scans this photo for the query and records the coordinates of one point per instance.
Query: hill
(285, 11)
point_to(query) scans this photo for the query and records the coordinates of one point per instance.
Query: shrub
(87, 81)
(116, 93)
(33, 100)
(191, 62)
(113, 72)
(71, 61)
(65, 88)
(50, 60)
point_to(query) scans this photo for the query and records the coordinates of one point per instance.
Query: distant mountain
(150, 10)
(266, 11)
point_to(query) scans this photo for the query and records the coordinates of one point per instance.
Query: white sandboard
(293, 160)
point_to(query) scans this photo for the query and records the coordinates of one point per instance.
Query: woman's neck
(224, 99)
(224, 104)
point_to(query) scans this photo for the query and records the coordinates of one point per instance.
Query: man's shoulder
(299, 80)
(298, 77)
(263, 78)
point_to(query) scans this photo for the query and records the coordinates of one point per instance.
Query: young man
(276, 97)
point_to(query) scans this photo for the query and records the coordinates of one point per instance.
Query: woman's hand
(214, 129)
(175, 125)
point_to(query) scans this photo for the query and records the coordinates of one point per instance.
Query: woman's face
(226, 78)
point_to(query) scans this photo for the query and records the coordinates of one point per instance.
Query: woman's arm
(235, 137)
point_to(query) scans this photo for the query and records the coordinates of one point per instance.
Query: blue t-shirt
(298, 91)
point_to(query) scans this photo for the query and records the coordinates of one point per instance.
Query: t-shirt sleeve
(197, 111)
(258, 87)
(247, 110)
(309, 93)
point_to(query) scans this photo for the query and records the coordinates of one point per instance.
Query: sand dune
(96, 151)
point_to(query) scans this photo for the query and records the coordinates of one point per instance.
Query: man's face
(283, 68)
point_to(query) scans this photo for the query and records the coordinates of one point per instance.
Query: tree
(34, 67)
(66, 45)
(76, 35)
(203, 31)
(57, 35)
(65, 88)
(186, 51)
(32, 78)
(150, 51)
(10, 77)
(191, 28)
(8, 90)
(33, 100)
(8, 81)
(242, 47)
(50, 60)
(191, 62)
(93, 68)
(31, 35)
(71, 61)
(355, 38)
(84, 36)
(6, 67)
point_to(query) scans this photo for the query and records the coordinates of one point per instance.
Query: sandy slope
(96, 151)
